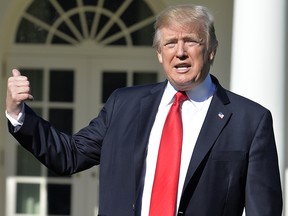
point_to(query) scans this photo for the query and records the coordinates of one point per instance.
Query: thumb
(16, 72)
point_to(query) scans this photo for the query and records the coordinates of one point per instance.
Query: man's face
(184, 56)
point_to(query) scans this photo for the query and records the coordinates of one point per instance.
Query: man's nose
(181, 50)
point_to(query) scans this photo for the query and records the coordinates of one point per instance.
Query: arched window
(105, 22)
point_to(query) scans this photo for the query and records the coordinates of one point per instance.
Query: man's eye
(192, 42)
(170, 44)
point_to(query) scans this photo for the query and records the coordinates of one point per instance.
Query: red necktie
(165, 186)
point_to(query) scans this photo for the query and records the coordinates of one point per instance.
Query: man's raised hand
(18, 91)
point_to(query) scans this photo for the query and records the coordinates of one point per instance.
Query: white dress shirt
(194, 111)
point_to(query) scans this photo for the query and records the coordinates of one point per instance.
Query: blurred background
(77, 52)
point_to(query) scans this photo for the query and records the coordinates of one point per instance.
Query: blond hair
(187, 15)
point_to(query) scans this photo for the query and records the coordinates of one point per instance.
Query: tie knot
(180, 97)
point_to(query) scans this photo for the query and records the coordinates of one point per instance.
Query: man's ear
(212, 55)
(159, 55)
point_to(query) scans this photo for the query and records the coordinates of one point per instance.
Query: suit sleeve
(263, 187)
(64, 154)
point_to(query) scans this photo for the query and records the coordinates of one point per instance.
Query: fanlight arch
(72, 22)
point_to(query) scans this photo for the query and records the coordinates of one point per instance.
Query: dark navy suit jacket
(234, 163)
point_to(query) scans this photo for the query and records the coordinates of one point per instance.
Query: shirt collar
(198, 94)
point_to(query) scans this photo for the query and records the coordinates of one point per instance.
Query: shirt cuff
(20, 118)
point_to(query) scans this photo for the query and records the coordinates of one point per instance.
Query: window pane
(112, 31)
(76, 21)
(58, 40)
(27, 165)
(135, 13)
(44, 11)
(143, 37)
(38, 111)
(140, 78)
(90, 17)
(30, 33)
(61, 86)
(90, 2)
(67, 5)
(112, 6)
(65, 28)
(28, 198)
(102, 22)
(35, 77)
(62, 119)
(59, 199)
(112, 81)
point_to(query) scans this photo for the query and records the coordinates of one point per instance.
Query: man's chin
(184, 86)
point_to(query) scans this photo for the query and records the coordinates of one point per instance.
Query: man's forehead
(194, 25)
(179, 31)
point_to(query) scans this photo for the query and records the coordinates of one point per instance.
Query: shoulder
(236, 102)
(242, 102)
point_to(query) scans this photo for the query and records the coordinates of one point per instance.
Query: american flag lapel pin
(221, 115)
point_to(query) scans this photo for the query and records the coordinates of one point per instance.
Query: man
(228, 153)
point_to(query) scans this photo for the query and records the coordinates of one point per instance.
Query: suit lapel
(148, 110)
(217, 117)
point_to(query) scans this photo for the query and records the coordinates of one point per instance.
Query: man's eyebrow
(185, 38)
(193, 37)
(169, 40)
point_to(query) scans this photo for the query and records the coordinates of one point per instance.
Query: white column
(258, 59)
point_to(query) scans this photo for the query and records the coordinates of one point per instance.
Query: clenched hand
(18, 91)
